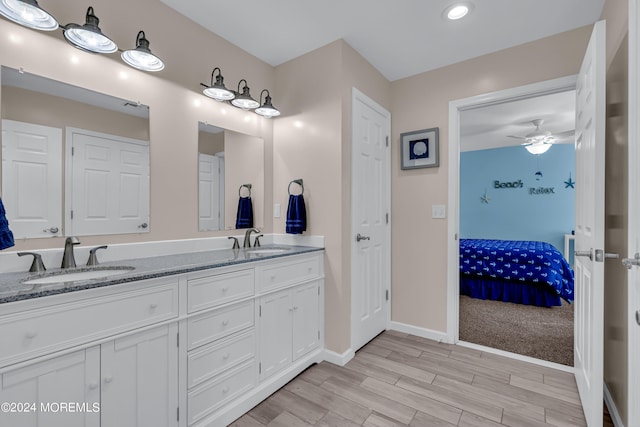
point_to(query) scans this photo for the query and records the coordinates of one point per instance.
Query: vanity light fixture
(244, 100)
(457, 11)
(28, 14)
(89, 37)
(218, 90)
(141, 57)
(267, 109)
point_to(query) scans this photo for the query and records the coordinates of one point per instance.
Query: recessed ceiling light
(457, 11)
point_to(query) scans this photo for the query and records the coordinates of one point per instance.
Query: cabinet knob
(108, 379)
(225, 322)
(273, 278)
(295, 307)
(93, 386)
(31, 334)
(225, 289)
(290, 308)
(225, 356)
(225, 389)
(153, 306)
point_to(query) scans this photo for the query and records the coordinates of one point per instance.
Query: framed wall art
(419, 149)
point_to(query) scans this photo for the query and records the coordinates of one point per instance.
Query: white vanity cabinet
(129, 380)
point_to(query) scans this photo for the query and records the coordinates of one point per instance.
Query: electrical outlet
(276, 210)
(438, 211)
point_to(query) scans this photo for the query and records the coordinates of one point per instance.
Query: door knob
(52, 230)
(588, 254)
(361, 237)
(630, 262)
(143, 225)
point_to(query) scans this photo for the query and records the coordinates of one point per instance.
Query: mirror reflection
(74, 161)
(230, 170)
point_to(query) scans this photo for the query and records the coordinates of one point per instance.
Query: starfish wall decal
(569, 183)
(485, 198)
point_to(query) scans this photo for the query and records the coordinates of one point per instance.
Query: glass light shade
(141, 57)
(244, 100)
(28, 14)
(267, 109)
(219, 93)
(539, 148)
(89, 37)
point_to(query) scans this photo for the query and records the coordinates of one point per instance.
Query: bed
(522, 272)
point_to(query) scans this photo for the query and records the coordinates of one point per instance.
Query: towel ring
(296, 181)
(247, 186)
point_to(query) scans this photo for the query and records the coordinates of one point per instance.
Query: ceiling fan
(539, 141)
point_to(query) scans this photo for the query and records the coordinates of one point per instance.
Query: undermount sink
(267, 251)
(78, 275)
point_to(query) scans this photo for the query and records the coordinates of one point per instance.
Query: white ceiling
(490, 127)
(399, 38)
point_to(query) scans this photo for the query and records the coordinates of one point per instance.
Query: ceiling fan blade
(516, 137)
(565, 134)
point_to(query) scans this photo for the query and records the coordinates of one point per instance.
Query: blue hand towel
(296, 214)
(244, 218)
(6, 236)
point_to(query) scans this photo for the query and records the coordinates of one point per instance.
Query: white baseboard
(611, 405)
(337, 358)
(420, 332)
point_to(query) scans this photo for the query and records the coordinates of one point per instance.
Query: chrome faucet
(247, 237)
(68, 260)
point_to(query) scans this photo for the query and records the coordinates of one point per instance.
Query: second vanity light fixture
(87, 37)
(242, 100)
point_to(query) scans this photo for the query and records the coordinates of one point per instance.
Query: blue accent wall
(515, 213)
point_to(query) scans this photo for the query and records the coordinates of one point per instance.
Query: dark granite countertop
(13, 288)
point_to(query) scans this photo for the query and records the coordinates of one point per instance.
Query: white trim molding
(337, 358)
(611, 406)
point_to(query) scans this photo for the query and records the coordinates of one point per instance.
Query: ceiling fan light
(28, 14)
(539, 148)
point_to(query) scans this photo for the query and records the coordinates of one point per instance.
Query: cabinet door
(140, 379)
(275, 332)
(306, 319)
(45, 387)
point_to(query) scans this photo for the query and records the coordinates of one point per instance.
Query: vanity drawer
(210, 291)
(216, 324)
(214, 359)
(45, 330)
(212, 396)
(278, 274)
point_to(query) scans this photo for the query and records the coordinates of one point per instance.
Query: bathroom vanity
(181, 340)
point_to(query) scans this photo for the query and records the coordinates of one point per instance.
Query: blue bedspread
(520, 261)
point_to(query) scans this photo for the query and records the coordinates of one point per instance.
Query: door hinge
(318, 290)
(260, 310)
(260, 367)
(177, 414)
(386, 216)
(386, 294)
(178, 339)
(318, 334)
(387, 140)
(71, 213)
(73, 151)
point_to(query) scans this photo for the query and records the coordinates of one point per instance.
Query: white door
(633, 405)
(208, 192)
(43, 386)
(32, 179)
(306, 319)
(140, 379)
(370, 209)
(589, 240)
(109, 184)
(275, 334)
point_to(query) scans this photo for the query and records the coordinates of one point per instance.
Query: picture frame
(420, 149)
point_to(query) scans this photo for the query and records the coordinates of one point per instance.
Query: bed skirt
(516, 292)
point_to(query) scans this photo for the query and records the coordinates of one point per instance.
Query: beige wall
(419, 243)
(313, 142)
(173, 95)
(616, 205)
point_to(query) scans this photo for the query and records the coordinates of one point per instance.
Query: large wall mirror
(230, 166)
(74, 161)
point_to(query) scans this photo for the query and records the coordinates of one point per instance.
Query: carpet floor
(543, 333)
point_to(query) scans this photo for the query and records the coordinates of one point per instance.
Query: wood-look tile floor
(403, 380)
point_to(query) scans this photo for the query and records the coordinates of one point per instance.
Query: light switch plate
(438, 211)
(276, 210)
